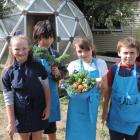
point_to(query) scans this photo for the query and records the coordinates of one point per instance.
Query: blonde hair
(128, 42)
(85, 44)
(11, 59)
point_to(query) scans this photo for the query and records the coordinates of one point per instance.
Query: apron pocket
(128, 109)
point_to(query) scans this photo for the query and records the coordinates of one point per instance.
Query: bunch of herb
(52, 60)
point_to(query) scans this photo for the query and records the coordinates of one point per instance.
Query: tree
(4, 8)
(107, 13)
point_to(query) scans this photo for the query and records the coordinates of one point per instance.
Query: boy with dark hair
(44, 36)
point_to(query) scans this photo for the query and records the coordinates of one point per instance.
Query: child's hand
(55, 71)
(11, 130)
(46, 113)
(98, 82)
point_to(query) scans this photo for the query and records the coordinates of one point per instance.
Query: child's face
(20, 50)
(128, 55)
(45, 42)
(83, 54)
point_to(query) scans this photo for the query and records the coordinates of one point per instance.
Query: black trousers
(120, 136)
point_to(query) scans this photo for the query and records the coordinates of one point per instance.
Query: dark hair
(43, 29)
(128, 42)
(85, 44)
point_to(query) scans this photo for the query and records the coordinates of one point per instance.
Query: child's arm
(104, 92)
(11, 120)
(9, 102)
(106, 97)
(43, 77)
(46, 111)
(105, 105)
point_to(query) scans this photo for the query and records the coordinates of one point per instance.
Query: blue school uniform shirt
(23, 81)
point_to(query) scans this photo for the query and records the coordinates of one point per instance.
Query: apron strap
(81, 65)
(42, 61)
(118, 68)
(93, 61)
(134, 73)
(51, 52)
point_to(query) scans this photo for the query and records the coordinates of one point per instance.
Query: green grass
(102, 132)
(0, 81)
(64, 100)
(1, 106)
(1, 100)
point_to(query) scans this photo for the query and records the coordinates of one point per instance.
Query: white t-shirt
(101, 64)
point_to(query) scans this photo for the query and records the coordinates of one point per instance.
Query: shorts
(51, 128)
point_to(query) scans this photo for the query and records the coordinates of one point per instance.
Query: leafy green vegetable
(44, 54)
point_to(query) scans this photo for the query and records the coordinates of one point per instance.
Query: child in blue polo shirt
(26, 91)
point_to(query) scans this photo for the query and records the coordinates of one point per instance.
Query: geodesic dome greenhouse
(66, 17)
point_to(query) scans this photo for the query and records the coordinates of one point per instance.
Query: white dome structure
(68, 22)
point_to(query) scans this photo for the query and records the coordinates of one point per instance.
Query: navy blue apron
(124, 115)
(54, 97)
(82, 112)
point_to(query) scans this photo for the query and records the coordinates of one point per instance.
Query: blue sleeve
(44, 74)
(7, 90)
(113, 69)
(6, 81)
(42, 71)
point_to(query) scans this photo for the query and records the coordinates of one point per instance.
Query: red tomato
(80, 88)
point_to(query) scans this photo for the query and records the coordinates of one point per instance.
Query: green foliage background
(4, 7)
(107, 12)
